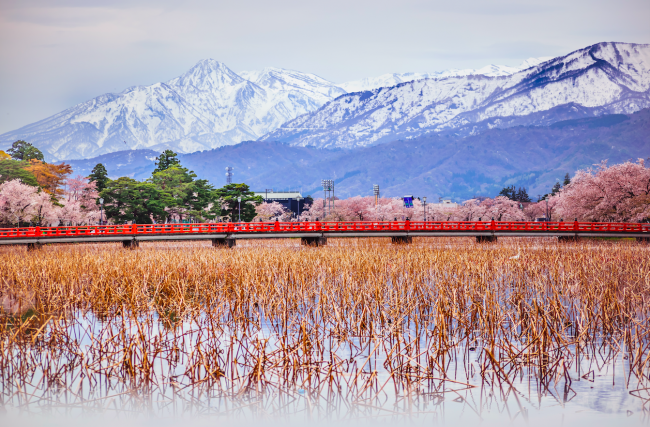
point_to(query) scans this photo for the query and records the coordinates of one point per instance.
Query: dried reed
(273, 328)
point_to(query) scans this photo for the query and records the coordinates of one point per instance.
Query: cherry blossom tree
(21, 203)
(503, 209)
(359, 208)
(441, 212)
(617, 193)
(45, 212)
(470, 210)
(540, 209)
(80, 189)
(500, 208)
(271, 212)
(16, 202)
(79, 202)
(364, 209)
(314, 211)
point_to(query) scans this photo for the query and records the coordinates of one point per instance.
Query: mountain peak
(209, 74)
(531, 62)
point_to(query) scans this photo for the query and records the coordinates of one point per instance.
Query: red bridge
(316, 233)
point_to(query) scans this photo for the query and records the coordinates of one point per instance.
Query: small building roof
(271, 195)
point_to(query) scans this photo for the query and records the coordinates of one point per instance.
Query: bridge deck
(277, 230)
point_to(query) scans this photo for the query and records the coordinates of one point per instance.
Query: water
(150, 371)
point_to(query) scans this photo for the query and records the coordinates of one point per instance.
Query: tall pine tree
(166, 160)
(99, 176)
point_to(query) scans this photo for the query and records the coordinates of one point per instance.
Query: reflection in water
(362, 334)
(265, 371)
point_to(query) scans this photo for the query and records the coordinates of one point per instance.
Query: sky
(56, 54)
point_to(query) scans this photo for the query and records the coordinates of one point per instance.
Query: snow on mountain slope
(388, 80)
(279, 79)
(603, 78)
(208, 106)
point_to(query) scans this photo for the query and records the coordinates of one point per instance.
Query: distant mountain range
(452, 134)
(431, 165)
(388, 80)
(209, 106)
(606, 78)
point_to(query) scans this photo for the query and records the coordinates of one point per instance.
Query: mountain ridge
(432, 165)
(585, 77)
(207, 106)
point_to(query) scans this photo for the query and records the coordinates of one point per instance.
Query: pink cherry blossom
(271, 212)
(617, 193)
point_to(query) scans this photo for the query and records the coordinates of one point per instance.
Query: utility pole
(375, 190)
(328, 190)
(239, 203)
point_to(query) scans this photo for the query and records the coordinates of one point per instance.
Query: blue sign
(408, 201)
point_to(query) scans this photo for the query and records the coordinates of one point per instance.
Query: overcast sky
(55, 54)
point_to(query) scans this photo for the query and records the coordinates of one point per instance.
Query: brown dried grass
(352, 319)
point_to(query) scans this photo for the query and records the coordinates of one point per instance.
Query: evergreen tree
(99, 176)
(567, 180)
(191, 198)
(23, 150)
(14, 169)
(522, 195)
(203, 200)
(126, 199)
(228, 197)
(166, 160)
(509, 192)
(556, 188)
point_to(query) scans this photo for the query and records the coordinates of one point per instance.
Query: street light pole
(298, 199)
(547, 218)
(425, 208)
(101, 211)
(239, 202)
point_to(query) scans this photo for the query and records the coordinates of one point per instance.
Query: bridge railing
(320, 226)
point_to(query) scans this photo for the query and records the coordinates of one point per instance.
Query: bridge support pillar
(486, 239)
(224, 243)
(401, 240)
(643, 239)
(34, 246)
(567, 239)
(313, 241)
(130, 244)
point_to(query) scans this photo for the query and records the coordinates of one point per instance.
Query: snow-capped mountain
(603, 78)
(208, 106)
(388, 80)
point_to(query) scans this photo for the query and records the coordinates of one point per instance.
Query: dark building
(288, 199)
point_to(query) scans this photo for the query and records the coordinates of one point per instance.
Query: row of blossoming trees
(37, 193)
(33, 192)
(619, 193)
